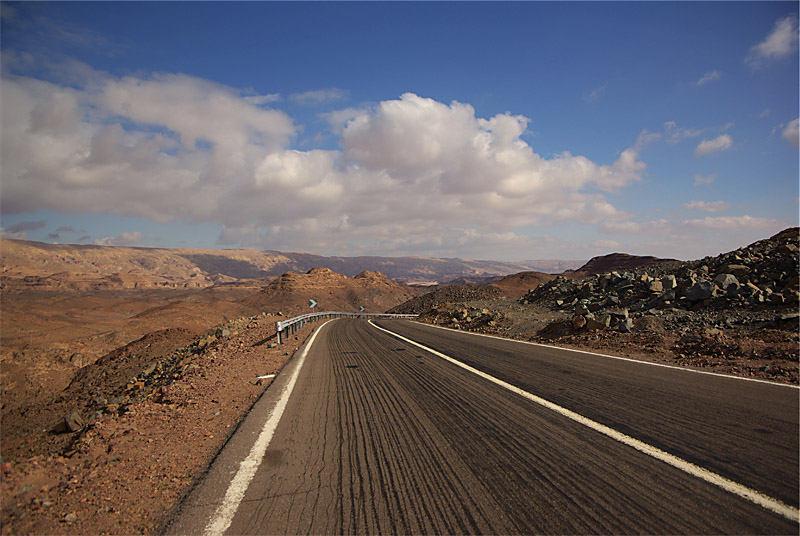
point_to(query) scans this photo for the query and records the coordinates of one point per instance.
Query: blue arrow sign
(312, 302)
(361, 309)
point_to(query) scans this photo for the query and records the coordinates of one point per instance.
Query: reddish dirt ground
(126, 470)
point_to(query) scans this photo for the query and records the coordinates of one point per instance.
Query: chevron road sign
(312, 302)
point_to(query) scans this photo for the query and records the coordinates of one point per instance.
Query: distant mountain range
(27, 264)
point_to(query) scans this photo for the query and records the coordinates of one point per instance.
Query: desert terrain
(116, 360)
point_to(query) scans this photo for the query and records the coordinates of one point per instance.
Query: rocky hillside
(332, 291)
(735, 313)
(765, 272)
(512, 286)
(38, 266)
(446, 295)
(615, 261)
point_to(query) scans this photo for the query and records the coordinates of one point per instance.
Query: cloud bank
(713, 206)
(124, 239)
(411, 173)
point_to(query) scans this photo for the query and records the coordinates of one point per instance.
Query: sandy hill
(333, 291)
(517, 285)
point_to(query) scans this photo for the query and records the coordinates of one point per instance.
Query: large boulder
(702, 290)
(72, 422)
(656, 287)
(738, 270)
(724, 281)
(669, 282)
(599, 322)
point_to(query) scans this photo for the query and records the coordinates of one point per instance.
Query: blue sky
(508, 131)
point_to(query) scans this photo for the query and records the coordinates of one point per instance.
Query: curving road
(380, 435)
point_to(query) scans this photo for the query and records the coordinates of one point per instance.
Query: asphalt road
(381, 436)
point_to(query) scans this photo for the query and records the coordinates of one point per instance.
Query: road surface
(380, 435)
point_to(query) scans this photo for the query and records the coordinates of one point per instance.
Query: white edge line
(222, 518)
(641, 362)
(774, 505)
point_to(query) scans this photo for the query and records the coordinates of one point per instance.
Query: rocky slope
(763, 273)
(109, 455)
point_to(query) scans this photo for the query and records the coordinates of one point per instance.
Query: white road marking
(222, 518)
(268, 376)
(639, 361)
(774, 505)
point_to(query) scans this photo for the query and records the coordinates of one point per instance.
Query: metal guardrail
(293, 324)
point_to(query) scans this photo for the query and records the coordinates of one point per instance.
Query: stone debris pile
(446, 295)
(460, 317)
(761, 275)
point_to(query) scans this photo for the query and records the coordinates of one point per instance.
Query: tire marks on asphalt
(398, 475)
(744, 431)
(728, 485)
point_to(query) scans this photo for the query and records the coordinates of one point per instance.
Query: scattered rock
(72, 422)
(72, 517)
(669, 282)
(578, 322)
(625, 325)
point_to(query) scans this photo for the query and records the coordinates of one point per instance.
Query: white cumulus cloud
(710, 76)
(792, 133)
(722, 142)
(780, 43)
